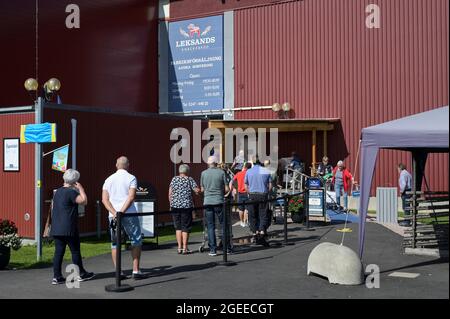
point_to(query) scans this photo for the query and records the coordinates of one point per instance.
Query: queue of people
(252, 182)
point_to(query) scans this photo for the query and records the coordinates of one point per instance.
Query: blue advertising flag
(38, 133)
(60, 157)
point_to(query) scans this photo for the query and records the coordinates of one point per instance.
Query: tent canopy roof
(424, 130)
(427, 131)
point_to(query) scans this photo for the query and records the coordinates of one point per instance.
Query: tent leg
(414, 190)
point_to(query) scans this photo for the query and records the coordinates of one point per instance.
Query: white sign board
(314, 201)
(147, 222)
(11, 154)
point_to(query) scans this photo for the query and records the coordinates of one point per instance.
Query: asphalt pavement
(278, 271)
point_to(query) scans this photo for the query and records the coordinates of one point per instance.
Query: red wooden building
(318, 55)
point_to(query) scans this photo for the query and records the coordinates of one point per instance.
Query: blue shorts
(132, 227)
(242, 197)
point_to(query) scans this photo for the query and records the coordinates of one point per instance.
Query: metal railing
(295, 180)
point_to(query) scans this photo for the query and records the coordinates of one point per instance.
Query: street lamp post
(38, 178)
(51, 86)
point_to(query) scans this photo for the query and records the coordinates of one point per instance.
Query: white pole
(74, 143)
(286, 179)
(345, 229)
(56, 149)
(38, 180)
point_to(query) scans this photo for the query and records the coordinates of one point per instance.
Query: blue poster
(196, 65)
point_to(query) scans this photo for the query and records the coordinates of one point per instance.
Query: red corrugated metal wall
(103, 137)
(110, 61)
(320, 56)
(181, 9)
(17, 188)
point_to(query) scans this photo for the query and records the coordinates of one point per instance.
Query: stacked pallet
(428, 230)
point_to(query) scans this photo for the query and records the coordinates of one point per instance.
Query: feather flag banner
(38, 133)
(60, 157)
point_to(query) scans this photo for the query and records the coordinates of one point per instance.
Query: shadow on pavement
(159, 282)
(169, 270)
(422, 264)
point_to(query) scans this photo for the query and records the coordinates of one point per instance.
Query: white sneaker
(242, 224)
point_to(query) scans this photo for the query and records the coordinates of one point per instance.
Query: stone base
(338, 263)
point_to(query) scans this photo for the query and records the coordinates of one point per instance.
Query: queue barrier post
(225, 235)
(98, 211)
(225, 231)
(306, 205)
(285, 228)
(117, 286)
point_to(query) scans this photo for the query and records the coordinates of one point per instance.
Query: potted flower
(8, 239)
(295, 207)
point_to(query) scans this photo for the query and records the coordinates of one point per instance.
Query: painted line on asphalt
(410, 275)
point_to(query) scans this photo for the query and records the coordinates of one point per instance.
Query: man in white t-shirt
(119, 192)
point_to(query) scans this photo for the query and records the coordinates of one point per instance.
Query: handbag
(48, 224)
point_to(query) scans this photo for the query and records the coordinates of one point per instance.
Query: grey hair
(183, 169)
(71, 176)
(340, 163)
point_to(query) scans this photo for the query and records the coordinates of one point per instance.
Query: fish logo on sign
(194, 30)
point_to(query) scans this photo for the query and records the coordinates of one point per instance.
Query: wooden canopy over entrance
(289, 125)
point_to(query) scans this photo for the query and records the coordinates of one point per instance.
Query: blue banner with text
(196, 65)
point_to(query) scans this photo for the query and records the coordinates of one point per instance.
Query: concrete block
(338, 263)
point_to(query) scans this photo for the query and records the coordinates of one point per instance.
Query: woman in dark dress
(64, 229)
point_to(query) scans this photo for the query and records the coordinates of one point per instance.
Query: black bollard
(118, 287)
(306, 207)
(98, 211)
(225, 232)
(285, 209)
(225, 236)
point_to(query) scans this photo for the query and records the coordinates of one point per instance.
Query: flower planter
(5, 254)
(297, 218)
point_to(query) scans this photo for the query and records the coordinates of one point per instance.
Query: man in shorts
(119, 192)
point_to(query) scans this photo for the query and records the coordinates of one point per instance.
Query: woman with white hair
(181, 204)
(342, 179)
(64, 229)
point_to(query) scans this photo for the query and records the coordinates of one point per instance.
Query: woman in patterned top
(181, 204)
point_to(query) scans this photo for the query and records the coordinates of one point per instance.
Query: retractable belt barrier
(119, 287)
